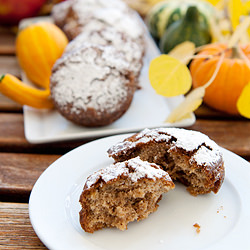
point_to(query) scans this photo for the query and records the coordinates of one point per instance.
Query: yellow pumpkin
(38, 46)
(24, 94)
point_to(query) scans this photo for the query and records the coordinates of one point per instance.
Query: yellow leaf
(238, 33)
(213, 2)
(183, 51)
(194, 99)
(247, 5)
(247, 11)
(191, 102)
(236, 10)
(218, 29)
(243, 103)
(169, 76)
(221, 5)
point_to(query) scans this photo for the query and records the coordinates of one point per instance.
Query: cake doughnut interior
(121, 193)
(188, 156)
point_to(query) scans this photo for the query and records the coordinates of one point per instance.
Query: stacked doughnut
(93, 83)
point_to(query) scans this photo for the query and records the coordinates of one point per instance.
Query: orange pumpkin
(38, 47)
(232, 77)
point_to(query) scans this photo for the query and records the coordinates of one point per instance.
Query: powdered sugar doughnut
(60, 11)
(98, 35)
(121, 193)
(188, 156)
(92, 85)
(113, 13)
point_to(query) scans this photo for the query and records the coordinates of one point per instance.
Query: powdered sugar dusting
(206, 151)
(113, 12)
(155, 134)
(98, 34)
(106, 174)
(142, 138)
(190, 140)
(90, 77)
(140, 169)
(84, 7)
(127, 24)
(60, 11)
(206, 157)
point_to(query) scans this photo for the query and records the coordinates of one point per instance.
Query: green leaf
(2, 77)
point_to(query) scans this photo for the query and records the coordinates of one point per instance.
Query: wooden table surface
(21, 163)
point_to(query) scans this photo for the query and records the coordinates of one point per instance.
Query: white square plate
(147, 109)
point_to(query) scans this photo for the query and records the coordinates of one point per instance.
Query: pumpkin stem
(2, 77)
(235, 52)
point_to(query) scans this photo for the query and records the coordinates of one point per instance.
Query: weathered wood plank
(9, 64)
(19, 172)
(206, 112)
(12, 138)
(7, 105)
(7, 42)
(11, 128)
(16, 232)
(231, 134)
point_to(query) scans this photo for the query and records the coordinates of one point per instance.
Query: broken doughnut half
(189, 157)
(121, 193)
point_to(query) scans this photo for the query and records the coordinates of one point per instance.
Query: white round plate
(224, 218)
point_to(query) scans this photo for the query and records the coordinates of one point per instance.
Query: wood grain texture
(7, 42)
(205, 112)
(12, 138)
(19, 172)
(16, 232)
(231, 134)
(7, 105)
(9, 64)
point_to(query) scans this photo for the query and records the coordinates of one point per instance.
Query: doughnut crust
(92, 86)
(76, 14)
(188, 156)
(121, 193)
(103, 35)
